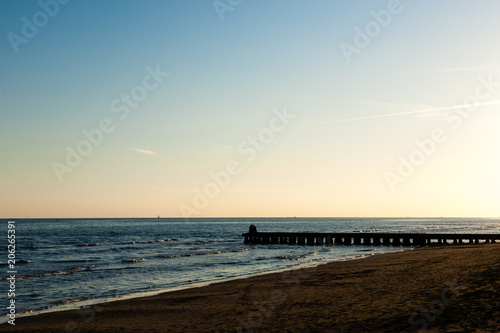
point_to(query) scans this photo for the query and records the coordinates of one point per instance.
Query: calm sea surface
(61, 263)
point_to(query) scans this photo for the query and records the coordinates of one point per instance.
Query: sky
(239, 108)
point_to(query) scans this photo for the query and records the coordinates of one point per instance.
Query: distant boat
(158, 216)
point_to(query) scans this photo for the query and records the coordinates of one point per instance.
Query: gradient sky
(229, 73)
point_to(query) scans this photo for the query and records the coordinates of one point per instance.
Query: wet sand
(441, 289)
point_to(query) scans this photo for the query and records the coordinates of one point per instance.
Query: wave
(205, 242)
(204, 253)
(28, 247)
(185, 244)
(284, 257)
(149, 241)
(310, 254)
(298, 257)
(17, 262)
(69, 261)
(70, 300)
(74, 270)
(133, 260)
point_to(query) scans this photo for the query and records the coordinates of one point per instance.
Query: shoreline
(72, 306)
(335, 296)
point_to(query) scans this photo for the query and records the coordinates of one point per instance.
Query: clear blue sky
(231, 69)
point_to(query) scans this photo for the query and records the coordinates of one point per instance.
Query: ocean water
(65, 263)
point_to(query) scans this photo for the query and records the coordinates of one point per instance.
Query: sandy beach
(440, 289)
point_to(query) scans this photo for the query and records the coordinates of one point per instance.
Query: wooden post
(329, 240)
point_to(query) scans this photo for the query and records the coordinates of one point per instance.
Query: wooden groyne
(360, 238)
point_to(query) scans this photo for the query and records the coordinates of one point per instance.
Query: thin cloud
(446, 108)
(143, 151)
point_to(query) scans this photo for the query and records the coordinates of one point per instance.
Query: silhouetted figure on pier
(252, 229)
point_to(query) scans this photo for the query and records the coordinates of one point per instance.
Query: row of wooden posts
(389, 239)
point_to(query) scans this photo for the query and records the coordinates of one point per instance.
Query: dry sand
(442, 289)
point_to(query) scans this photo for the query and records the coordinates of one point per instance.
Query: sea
(70, 263)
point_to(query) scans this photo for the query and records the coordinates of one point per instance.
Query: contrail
(402, 113)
